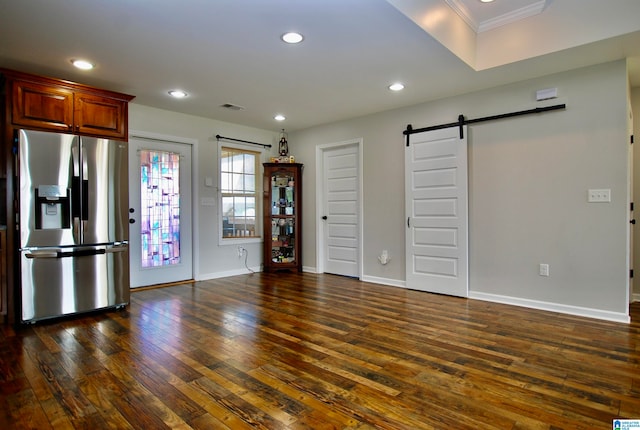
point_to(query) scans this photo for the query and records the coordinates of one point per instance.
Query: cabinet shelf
(282, 220)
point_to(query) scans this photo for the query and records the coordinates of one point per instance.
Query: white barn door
(436, 212)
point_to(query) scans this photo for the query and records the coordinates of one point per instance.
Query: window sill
(239, 240)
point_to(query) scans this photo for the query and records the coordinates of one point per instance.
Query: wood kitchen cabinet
(3, 271)
(282, 205)
(47, 104)
(61, 106)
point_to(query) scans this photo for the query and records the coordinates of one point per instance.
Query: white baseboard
(308, 269)
(384, 281)
(533, 304)
(553, 307)
(496, 298)
(216, 275)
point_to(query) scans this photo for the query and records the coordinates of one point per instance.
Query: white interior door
(436, 208)
(160, 230)
(341, 209)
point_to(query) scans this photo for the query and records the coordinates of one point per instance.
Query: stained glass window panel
(160, 208)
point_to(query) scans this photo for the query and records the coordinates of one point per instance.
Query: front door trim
(195, 242)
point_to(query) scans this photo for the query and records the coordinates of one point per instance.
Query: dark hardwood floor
(304, 351)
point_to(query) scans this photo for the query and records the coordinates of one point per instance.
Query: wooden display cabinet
(282, 206)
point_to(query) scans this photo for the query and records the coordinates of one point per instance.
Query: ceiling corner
(533, 9)
(463, 11)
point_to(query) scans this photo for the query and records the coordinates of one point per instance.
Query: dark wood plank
(304, 351)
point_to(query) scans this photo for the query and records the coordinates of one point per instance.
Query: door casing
(194, 241)
(320, 180)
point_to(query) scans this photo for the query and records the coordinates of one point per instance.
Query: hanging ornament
(283, 145)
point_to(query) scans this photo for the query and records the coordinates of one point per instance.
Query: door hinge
(631, 273)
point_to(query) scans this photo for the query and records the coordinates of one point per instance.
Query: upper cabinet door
(49, 104)
(42, 106)
(100, 116)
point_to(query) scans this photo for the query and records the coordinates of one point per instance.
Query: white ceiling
(229, 51)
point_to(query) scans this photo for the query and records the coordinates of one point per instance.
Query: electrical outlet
(241, 251)
(544, 269)
(599, 196)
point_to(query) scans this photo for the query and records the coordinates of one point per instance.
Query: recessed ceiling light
(396, 87)
(179, 94)
(279, 117)
(82, 64)
(486, 1)
(292, 37)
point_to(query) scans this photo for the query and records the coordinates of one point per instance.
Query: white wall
(528, 182)
(210, 259)
(528, 179)
(635, 106)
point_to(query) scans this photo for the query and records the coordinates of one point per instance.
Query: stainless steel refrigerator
(73, 224)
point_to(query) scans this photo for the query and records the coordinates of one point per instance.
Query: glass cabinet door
(282, 219)
(283, 206)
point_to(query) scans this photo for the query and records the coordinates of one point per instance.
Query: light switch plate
(543, 269)
(599, 196)
(546, 94)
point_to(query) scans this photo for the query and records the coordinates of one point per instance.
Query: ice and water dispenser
(53, 207)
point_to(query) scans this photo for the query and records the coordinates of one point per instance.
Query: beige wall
(210, 259)
(528, 182)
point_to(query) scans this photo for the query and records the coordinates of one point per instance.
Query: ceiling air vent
(231, 106)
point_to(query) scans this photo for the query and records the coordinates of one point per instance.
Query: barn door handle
(408, 223)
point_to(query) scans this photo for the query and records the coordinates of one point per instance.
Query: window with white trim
(239, 170)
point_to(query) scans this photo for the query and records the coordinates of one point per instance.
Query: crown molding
(464, 13)
(513, 16)
(507, 18)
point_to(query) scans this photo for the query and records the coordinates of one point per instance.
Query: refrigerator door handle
(85, 200)
(115, 249)
(42, 254)
(57, 253)
(80, 253)
(76, 207)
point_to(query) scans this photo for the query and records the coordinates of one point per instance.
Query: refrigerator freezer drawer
(57, 282)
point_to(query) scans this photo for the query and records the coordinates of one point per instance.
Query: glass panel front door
(160, 231)
(160, 208)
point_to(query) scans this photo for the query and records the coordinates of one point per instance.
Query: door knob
(324, 217)
(132, 221)
(633, 221)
